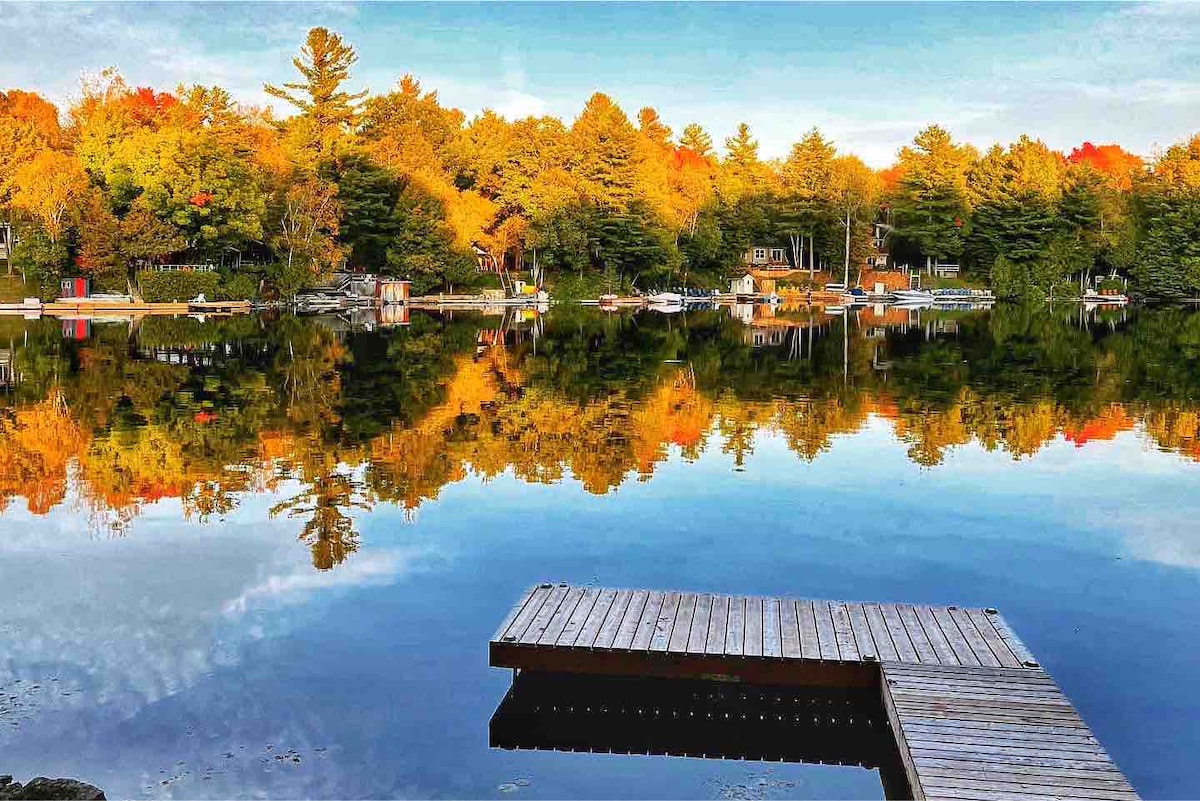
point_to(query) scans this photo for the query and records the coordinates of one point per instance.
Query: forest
(126, 179)
(209, 412)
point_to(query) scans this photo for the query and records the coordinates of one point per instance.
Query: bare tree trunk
(846, 273)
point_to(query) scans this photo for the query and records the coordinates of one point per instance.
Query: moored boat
(1102, 299)
(912, 296)
(963, 295)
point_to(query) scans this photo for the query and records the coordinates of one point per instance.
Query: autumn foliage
(1119, 166)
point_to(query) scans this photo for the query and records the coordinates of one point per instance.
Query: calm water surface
(262, 557)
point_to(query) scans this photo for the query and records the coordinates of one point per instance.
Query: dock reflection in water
(708, 719)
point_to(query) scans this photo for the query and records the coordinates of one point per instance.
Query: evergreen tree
(741, 173)
(931, 207)
(696, 139)
(368, 195)
(324, 65)
(604, 158)
(651, 126)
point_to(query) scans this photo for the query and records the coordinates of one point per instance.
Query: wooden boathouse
(972, 713)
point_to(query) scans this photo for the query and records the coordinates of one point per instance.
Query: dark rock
(43, 789)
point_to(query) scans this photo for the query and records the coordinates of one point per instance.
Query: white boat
(666, 298)
(913, 296)
(963, 296)
(1097, 299)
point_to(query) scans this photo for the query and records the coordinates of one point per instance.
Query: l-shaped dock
(973, 714)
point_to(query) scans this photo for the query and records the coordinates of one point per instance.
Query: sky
(869, 75)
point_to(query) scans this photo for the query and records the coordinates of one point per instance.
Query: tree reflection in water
(336, 421)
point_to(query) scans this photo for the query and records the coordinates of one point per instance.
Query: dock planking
(766, 640)
(974, 716)
(988, 733)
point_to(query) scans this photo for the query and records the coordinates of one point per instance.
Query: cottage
(760, 258)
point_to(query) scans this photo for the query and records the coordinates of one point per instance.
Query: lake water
(263, 557)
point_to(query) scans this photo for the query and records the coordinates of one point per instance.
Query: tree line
(397, 183)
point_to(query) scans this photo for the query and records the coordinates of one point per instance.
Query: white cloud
(297, 583)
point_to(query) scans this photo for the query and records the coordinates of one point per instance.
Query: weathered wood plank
(937, 639)
(698, 636)
(951, 734)
(826, 637)
(1103, 774)
(681, 629)
(537, 626)
(979, 749)
(993, 712)
(844, 632)
(754, 627)
(1042, 719)
(520, 621)
(648, 622)
(929, 740)
(883, 641)
(932, 685)
(570, 631)
(895, 627)
(505, 624)
(962, 650)
(1076, 730)
(631, 615)
(1015, 644)
(810, 646)
(1016, 694)
(862, 632)
(974, 639)
(718, 623)
(1041, 760)
(998, 646)
(979, 701)
(589, 632)
(789, 629)
(916, 633)
(611, 611)
(665, 622)
(1005, 794)
(772, 638)
(1013, 786)
(1102, 778)
(558, 620)
(735, 632)
(1027, 679)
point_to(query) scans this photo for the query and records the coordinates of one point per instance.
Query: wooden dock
(973, 714)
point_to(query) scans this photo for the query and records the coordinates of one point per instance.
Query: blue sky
(870, 75)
